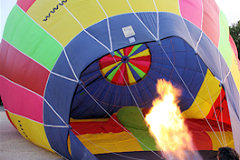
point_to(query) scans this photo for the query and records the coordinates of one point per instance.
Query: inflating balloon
(78, 76)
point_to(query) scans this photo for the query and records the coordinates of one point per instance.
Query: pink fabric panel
(233, 45)
(211, 21)
(234, 48)
(21, 101)
(192, 11)
(25, 4)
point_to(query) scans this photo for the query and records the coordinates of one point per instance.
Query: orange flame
(166, 123)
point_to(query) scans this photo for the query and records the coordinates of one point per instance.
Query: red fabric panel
(108, 60)
(127, 50)
(220, 105)
(199, 128)
(97, 126)
(25, 4)
(118, 77)
(211, 21)
(21, 101)
(21, 69)
(143, 63)
(201, 140)
(124, 74)
(202, 125)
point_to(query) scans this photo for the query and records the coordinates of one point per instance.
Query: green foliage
(235, 33)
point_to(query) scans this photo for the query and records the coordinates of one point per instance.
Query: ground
(14, 147)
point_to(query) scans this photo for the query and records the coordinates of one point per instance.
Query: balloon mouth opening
(107, 91)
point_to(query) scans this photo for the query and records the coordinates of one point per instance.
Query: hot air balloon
(69, 70)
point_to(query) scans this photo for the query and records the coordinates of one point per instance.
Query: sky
(229, 7)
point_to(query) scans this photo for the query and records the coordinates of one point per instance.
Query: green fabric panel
(147, 141)
(116, 53)
(134, 49)
(224, 46)
(139, 72)
(112, 74)
(28, 37)
(131, 118)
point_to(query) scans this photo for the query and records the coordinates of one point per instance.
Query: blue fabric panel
(233, 97)
(184, 59)
(79, 151)
(118, 22)
(59, 93)
(173, 25)
(82, 51)
(67, 72)
(224, 67)
(149, 20)
(100, 34)
(194, 32)
(51, 118)
(63, 89)
(210, 55)
(57, 137)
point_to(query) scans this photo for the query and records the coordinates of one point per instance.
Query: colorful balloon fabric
(72, 73)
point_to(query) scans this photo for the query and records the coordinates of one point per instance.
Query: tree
(235, 33)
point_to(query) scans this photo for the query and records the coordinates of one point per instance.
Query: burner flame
(166, 124)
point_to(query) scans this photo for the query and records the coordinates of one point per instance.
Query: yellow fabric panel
(203, 99)
(235, 72)
(162, 6)
(108, 68)
(142, 54)
(142, 5)
(87, 12)
(115, 7)
(130, 76)
(61, 25)
(109, 142)
(31, 130)
(168, 6)
(215, 142)
(121, 51)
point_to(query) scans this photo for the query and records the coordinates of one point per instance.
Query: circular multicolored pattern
(128, 65)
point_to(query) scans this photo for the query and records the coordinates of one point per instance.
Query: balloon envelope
(69, 70)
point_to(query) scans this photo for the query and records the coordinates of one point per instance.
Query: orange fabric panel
(110, 142)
